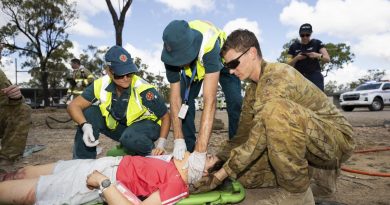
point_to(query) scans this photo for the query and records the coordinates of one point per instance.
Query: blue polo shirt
(212, 63)
(151, 99)
(307, 65)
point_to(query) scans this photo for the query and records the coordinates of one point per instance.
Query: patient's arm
(112, 195)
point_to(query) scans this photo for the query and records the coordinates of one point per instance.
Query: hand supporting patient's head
(208, 181)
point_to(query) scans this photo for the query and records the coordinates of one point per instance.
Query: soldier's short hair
(76, 61)
(240, 40)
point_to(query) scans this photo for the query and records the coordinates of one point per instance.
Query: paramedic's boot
(284, 197)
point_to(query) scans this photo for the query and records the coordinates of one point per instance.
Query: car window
(386, 86)
(370, 86)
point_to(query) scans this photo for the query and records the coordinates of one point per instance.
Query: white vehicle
(374, 95)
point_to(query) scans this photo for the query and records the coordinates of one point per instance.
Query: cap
(305, 28)
(181, 43)
(120, 61)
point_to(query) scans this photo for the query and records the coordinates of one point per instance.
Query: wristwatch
(103, 186)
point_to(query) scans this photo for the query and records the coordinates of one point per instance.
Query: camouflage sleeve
(244, 124)
(242, 156)
(5, 83)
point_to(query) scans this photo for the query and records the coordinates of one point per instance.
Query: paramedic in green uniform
(122, 106)
(191, 57)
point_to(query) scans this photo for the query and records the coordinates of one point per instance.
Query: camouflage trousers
(15, 122)
(296, 140)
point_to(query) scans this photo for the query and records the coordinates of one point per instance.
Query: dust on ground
(352, 188)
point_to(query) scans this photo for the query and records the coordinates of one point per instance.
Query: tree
(156, 80)
(56, 67)
(340, 54)
(372, 75)
(119, 22)
(36, 29)
(92, 59)
(330, 87)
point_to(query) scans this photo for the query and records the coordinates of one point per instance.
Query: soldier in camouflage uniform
(80, 79)
(288, 129)
(15, 121)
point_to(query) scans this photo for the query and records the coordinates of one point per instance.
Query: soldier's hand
(195, 164)
(205, 184)
(179, 149)
(88, 137)
(12, 92)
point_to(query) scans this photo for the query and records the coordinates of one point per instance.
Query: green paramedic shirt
(212, 63)
(119, 104)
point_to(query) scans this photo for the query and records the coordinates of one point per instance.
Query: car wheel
(347, 108)
(377, 105)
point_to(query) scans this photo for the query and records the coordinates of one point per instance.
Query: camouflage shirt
(277, 80)
(4, 83)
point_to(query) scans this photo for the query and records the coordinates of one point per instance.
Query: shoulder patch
(149, 95)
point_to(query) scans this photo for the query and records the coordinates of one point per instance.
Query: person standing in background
(81, 78)
(307, 54)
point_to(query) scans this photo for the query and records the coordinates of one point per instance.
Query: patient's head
(213, 164)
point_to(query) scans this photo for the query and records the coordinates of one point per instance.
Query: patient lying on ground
(80, 181)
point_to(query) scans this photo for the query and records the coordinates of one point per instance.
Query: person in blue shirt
(122, 106)
(191, 57)
(306, 55)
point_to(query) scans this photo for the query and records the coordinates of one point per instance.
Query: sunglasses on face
(305, 35)
(118, 77)
(235, 62)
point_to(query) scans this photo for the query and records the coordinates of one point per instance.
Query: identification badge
(183, 111)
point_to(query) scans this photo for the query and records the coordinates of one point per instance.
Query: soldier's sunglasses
(305, 35)
(118, 77)
(235, 62)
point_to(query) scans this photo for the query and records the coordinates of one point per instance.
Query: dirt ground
(352, 188)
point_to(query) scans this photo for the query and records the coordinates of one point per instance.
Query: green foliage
(340, 54)
(372, 75)
(41, 25)
(330, 87)
(92, 59)
(156, 80)
(284, 54)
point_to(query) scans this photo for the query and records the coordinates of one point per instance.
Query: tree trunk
(45, 85)
(118, 32)
(118, 22)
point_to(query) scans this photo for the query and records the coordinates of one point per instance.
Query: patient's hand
(158, 151)
(94, 179)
